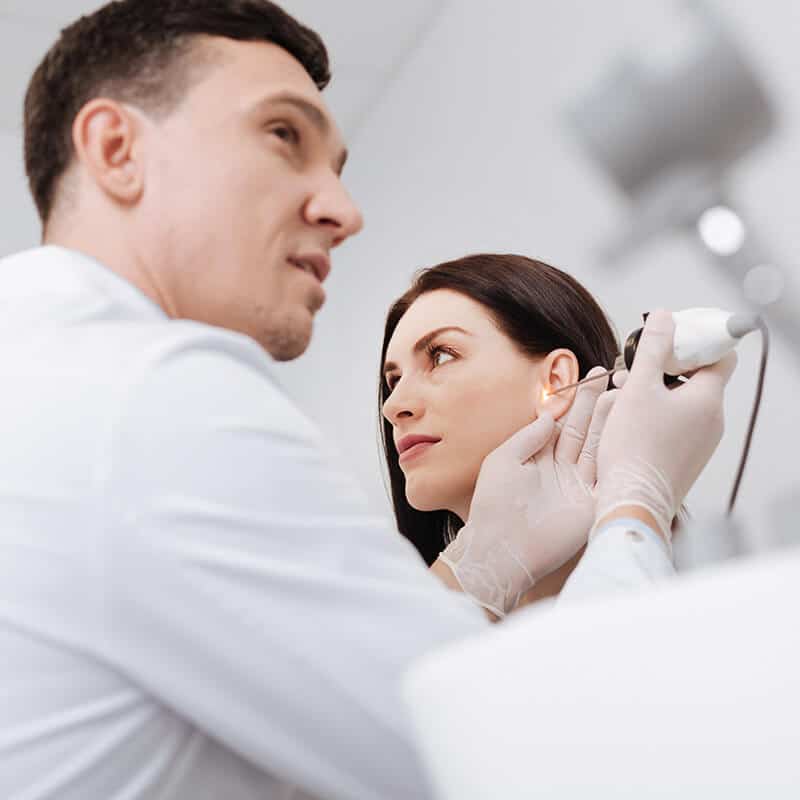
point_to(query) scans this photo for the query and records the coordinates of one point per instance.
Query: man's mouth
(317, 265)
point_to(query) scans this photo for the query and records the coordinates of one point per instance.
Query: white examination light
(721, 230)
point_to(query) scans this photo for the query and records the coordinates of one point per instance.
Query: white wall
(467, 151)
(19, 227)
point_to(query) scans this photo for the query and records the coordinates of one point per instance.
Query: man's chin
(288, 344)
(288, 354)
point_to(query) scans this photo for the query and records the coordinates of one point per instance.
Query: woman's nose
(402, 404)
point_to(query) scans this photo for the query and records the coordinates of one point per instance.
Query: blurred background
(492, 126)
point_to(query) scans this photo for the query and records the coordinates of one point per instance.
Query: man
(194, 602)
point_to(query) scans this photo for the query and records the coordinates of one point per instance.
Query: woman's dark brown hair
(540, 308)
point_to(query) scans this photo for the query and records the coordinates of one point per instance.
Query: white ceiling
(367, 40)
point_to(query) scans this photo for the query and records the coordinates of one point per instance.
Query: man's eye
(286, 133)
(391, 382)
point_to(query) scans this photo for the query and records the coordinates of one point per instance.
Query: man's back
(130, 562)
(73, 726)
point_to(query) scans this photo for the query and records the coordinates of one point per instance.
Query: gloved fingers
(576, 424)
(717, 374)
(703, 393)
(527, 441)
(655, 348)
(548, 448)
(619, 378)
(725, 367)
(587, 462)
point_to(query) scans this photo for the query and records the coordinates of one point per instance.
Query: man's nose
(332, 207)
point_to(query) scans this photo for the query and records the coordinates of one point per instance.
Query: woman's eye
(391, 382)
(439, 357)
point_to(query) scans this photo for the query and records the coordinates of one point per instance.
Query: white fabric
(687, 691)
(194, 602)
(621, 556)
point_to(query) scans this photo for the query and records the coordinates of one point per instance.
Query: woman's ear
(558, 369)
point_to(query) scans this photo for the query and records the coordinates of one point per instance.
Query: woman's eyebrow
(423, 343)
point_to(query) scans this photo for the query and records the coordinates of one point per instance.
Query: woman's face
(459, 388)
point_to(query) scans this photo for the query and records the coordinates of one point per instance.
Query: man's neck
(123, 261)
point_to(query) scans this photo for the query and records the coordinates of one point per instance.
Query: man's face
(243, 199)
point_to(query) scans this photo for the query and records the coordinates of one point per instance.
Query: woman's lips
(413, 446)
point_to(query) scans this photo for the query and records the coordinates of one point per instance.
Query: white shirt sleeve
(624, 554)
(247, 586)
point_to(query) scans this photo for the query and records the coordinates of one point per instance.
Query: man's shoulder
(201, 373)
(159, 344)
(76, 327)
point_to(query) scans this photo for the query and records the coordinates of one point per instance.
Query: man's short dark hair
(137, 51)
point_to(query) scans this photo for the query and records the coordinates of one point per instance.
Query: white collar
(52, 268)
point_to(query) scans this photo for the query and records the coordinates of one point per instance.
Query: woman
(470, 353)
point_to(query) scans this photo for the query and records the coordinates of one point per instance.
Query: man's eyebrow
(312, 113)
(342, 161)
(423, 343)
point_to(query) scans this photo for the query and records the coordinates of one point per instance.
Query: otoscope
(702, 337)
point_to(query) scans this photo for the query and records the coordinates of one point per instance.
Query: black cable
(762, 326)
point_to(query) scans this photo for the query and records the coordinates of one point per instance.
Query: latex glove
(533, 504)
(657, 440)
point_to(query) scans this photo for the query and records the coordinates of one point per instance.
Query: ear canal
(541, 397)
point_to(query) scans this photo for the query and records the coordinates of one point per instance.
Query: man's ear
(559, 368)
(105, 137)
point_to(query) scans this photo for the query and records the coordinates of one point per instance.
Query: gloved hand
(657, 440)
(533, 505)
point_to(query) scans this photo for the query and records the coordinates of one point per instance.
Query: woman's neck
(552, 584)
